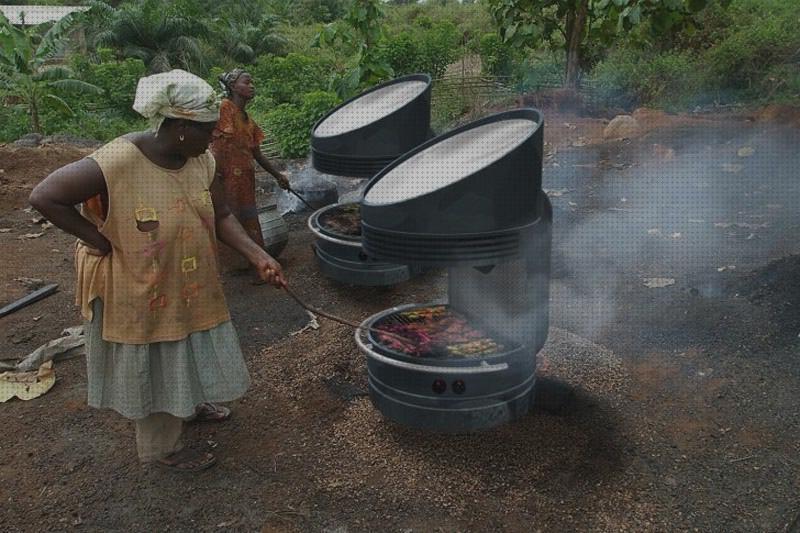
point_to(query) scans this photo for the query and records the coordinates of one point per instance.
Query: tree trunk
(35, 125)
(576, 27)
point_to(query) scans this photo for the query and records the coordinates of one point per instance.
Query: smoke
(637, 225)
(686, 206)
(308, 183)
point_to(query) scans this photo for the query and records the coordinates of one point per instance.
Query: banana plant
(30, 77)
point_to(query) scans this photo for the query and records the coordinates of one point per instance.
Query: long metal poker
(301, 198)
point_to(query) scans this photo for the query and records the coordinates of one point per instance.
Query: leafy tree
(576, 26)
(164, 36)
(321, 10)
(359, 32)
(27, 73)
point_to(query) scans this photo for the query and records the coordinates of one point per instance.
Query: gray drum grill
(364, 134)
(358, 139)
(341, 257)
(489, 223)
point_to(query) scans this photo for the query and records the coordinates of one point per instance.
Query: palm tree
(163, 38)
(240, 40)
(27, 72)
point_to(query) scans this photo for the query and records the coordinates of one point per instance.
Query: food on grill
(435, 331)
(344, 220)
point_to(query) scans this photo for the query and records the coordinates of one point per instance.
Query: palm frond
(60, 103)
(54, 40)
(6, 82)
(188, 50)
(243, 53)
(53, 73)
(103, 38)
(160, 63)
(139, 52)
(76, 86)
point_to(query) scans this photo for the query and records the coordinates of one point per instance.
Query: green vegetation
(747, 52)
(27, 77)
(78, 76)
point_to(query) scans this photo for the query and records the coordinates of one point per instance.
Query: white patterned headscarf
(176, 94)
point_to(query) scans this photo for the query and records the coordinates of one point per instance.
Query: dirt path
(658, 409)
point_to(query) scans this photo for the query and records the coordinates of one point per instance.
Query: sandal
(187, 460)
(210, 412)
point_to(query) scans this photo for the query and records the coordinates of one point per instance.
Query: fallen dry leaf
(730, 167)
(745, 152)
(31, 283)
(657, 283)
(30, 236)
(555, 193)
(27, 385)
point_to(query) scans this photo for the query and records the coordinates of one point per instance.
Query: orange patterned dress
(235, 138)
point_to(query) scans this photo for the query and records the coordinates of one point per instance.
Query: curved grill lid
(367, 132)
(462, 198)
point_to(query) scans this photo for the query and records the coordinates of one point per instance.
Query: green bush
(781, 84)
(100, 117)
(496, 56)
(447, 106)
(291, 123)
(287, 79)
(13, 123)
(118, 79)
(539, 71)
(764, 36)
(428, 50)
(99, 125)
(629, 78)
(471, 20)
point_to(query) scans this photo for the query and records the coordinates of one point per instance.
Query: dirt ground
(657, 409)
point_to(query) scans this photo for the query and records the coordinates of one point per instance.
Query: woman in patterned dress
(159, 337)
(236, 145)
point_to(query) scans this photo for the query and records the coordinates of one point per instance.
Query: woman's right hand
(106, 248)
(283, 181)
(99, 247)
(270, 271)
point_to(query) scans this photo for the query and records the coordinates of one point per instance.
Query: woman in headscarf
(160, 343)
(236, 144)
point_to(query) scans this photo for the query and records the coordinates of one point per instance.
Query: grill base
(465, 416)
(352, 166)
(348, 265)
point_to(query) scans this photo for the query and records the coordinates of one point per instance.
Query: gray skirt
(137, 380)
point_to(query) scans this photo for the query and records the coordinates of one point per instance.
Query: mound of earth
(777, 287)
(21, 168)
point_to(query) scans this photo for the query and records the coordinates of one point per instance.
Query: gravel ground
(657, 409)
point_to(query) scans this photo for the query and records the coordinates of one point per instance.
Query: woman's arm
(233, 234)
(56, 197)
(283, 182)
